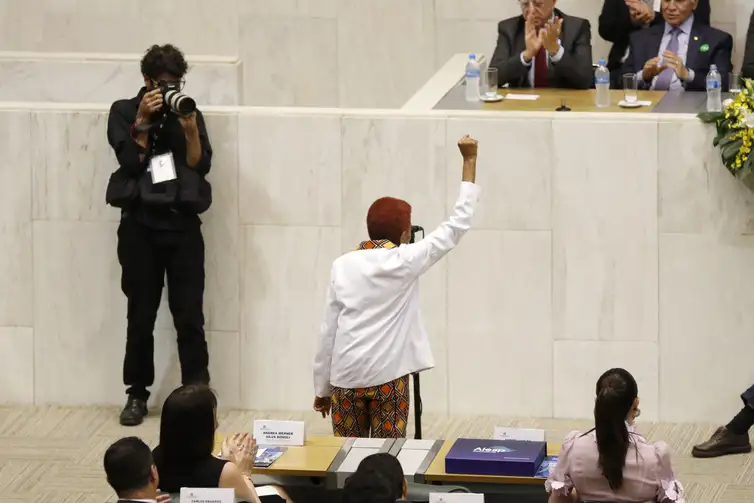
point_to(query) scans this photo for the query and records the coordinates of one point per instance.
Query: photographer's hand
(151, 102)
(193, 142)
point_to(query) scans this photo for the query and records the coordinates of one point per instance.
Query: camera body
(178, 102)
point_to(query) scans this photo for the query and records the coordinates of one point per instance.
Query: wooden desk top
(576, 100)
(312, 460)
(436, 471)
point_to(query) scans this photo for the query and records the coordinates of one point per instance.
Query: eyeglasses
(525, 4)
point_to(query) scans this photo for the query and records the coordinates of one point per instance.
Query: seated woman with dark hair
(187, 437)
(611, 462)
(390, 468)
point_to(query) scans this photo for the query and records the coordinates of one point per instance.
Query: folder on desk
(515, 458)
(267, 455)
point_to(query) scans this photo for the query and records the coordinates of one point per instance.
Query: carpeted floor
(54, 454)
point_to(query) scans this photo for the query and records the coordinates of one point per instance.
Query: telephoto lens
(177, 101)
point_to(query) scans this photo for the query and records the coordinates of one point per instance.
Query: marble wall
(333, 53)
(103, 78)
(574, 264)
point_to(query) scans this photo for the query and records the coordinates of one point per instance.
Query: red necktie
(541, 77)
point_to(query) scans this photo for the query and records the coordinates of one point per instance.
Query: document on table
(522, 97)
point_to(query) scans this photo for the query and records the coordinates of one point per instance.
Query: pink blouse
(647, 477)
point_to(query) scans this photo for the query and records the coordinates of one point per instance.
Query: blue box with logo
(514, 458)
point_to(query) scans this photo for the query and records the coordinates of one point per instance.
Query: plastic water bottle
(602, 83)
(473, 72)
(714, 90)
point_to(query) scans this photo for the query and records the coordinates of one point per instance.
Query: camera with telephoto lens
(178, 102)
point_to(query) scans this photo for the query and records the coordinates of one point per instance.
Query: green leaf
(709, 117)
(727, 139)
(748, 166)
(729, 151)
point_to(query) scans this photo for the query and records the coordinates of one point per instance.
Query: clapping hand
(674, 62)
(550, 35)
(533, 41)
(241, 450)
(641, 13)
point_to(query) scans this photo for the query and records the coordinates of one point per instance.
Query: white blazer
(372, 332)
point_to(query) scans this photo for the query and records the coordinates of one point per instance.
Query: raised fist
(468, 147)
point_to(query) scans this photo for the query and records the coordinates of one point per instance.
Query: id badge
(162, 168)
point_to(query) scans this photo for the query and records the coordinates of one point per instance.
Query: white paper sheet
(522, 97)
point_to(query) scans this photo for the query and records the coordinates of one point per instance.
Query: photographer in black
(164, 154)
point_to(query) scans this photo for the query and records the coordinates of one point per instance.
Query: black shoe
(134, 412)
(722, 442)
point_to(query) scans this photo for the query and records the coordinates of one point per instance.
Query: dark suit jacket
(574, 71)
(615, 26)
(747, 70)
(645, 45)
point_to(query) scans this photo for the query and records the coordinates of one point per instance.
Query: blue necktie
(666, 77)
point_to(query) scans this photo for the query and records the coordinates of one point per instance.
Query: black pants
(146, 255)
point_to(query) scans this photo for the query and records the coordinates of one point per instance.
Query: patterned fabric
(381, 243)
(379, 410)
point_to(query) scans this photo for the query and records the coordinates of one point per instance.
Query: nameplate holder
(214, 495)
(455, 498)
(289, 433)
(526, 434)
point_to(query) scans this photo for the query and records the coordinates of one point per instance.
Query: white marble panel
(476, 9)
(285, 274)
(514, 168)
(17, 365)
(697, 193)
(499, 324)
(196, 26)
(385, 52)
(290, 8)
(220, 229)
(706, 325)
(16, 301)
(578, 364)
(589, 10)
(80, 317)
(454, 36)
(290, 61)
(71, 172)
(290, 169)
(101, 81)
(605, 230)
(398, 157)
(226, 369)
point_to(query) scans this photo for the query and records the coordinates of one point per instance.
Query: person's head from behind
(188, 423)
(617, 402)
(164, 65)
(389, 218)
(389, 467)
(130, 469)
(537, 12)
(367, 486)
(676, 12)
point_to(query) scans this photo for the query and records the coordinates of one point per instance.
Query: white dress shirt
(372, 332)
(683, 48)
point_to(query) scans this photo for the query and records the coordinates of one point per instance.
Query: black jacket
(615, 26)
(747, 70)
(574, 71)
(707, 46)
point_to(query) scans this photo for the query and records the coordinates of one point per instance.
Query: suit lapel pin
(704, 48)
(696, 38)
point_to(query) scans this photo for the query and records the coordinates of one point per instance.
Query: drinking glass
(489, 83)
(630, 93)
(735, 83)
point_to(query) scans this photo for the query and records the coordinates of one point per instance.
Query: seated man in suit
(678, 53)
(747, 70)
(131, 472)
(620, 18)
(544, 48)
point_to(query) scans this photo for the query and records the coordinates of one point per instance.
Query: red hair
(388, 218)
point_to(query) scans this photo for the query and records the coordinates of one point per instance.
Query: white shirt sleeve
(558, 55)
(427, 252)
(323, 358)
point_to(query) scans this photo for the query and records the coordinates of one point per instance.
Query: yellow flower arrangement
(735, 131)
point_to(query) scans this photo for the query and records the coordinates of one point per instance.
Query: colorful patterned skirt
(379, 410)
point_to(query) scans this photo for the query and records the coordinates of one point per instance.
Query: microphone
(414, 230)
